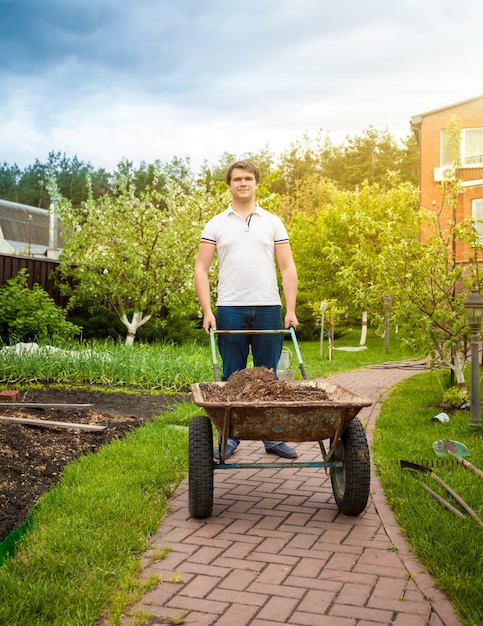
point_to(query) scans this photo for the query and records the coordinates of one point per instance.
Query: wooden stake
(50, 423)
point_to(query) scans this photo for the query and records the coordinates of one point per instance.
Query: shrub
(455, 397)
(30, 314)
(98, 322)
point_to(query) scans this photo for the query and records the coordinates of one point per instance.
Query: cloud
(106, 80)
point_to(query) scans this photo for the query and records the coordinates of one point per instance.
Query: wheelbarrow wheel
(351, 482)
(200, 467)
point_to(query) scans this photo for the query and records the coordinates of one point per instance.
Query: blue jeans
(234, 349)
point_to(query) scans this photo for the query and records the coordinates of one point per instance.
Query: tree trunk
(362, 342)
(138, 319)
(457, 365)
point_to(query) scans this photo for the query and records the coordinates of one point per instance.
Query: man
(247, 240)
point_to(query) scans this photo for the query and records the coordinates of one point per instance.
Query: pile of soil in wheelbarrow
(32, 457)
(258, 384)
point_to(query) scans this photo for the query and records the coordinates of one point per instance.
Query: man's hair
(243, 165)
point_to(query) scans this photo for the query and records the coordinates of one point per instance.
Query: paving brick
(268, 522)
(190, 568)
(343, 562)
(266, 557)
(402, 606)
(435, 620)
(410, 620)
(238, 580)
(211, 529)
(380, 558)
(354, 594)
(274, 544)
(200, 619)
(164, 615)
(359, 612)
(389, 588)
(248, 537)
(276, 550)
(241, 564)
(273, 574)
(315, 529)
(316, 601)
(278, 610)
(238, 597)
(241, 526)
(237, 615)
(301, 541)
(395, 572)
(339, 548)
(321, 584)
(206, 554)
(215, 542)
(312, 619)
(200, 586)
(285, 591)
(186, 603)
(341, 576)
(446, 613)
(161, 594)
(333, 536)
(308, 567)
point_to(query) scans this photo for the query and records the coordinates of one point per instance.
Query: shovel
(447, 488)
(442, 447)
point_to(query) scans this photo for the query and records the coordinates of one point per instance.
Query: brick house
(437, 161)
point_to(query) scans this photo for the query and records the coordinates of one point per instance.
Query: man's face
(243, 185)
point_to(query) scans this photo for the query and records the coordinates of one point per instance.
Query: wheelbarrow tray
(311, 419)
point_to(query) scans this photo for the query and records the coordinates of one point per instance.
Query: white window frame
(477, 215)
(468, 155)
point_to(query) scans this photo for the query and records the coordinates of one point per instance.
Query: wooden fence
(40, 271)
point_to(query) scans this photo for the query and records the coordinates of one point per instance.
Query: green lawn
(81, 553)
(449, 547)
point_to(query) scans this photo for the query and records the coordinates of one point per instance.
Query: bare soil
(32, 458)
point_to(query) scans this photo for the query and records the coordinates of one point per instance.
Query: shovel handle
(457, 498)
(472, 467)
(442, 501)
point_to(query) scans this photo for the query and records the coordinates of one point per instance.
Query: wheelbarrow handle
(290, 331)
(214, 359)
(297, 353)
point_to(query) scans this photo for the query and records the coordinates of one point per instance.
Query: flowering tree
(135, 252)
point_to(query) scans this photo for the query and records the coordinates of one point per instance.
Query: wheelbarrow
(330, 415)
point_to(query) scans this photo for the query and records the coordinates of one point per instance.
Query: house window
(470, 153)
(477, 214)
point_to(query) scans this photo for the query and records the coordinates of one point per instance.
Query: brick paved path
(276, 550)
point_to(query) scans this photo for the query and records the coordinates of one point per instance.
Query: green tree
(9, 181)
(126, 252)
(337, 237)
(429, 290)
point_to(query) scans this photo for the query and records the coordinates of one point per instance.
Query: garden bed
(32, 458)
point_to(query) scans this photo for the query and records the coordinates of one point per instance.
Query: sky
(105, 80)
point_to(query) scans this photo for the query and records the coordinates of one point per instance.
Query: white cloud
(105, 81)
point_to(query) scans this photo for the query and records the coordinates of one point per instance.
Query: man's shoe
(281, 449)
(231, 446)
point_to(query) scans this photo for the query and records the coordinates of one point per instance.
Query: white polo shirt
(246, 255)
